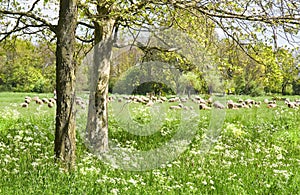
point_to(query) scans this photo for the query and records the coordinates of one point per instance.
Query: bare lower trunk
(97, 125)
(65, 84)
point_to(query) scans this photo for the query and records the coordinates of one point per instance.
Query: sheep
(249, 101)
(52, 100)
(35, 98)
(176, 107)
(159, 101)
(175, 99)
(218, 105)
(240, 105)
(164, 99)
(186, 108)
(240, 101)
(50, 104)
(27, 101)
(210, 100)
(204, 107)
(231, 104)
(271, 105)
(24, 105)
(45, 100)
(150, 103)
(257, 103)
(183, 100)
(271, 102)
(291, 104)
(27, 97)
(39, 101)
(153, 98)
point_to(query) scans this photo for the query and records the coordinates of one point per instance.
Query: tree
(26, 67)
(65, 83)
(26, 19)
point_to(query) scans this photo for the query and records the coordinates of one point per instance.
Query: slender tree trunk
(283, 88)
(97, 125)
(65, 84)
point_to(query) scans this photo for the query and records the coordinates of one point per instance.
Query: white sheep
(176, 107)
(204, 107)
(24, 105)
(218, 105)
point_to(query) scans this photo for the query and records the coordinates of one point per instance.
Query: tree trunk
(65, 84)
(283, 88)
(97, 123)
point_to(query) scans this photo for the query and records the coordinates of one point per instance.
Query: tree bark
(65, 84)
(97, 123)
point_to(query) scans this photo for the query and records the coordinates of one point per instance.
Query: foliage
(153, 87)
(296, 87)
(26, 67)
(148, 74)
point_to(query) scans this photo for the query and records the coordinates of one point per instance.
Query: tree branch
(30, 15)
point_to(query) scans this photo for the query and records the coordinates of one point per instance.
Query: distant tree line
(26, 66)
(30, 67)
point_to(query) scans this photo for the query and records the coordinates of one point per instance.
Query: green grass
(257, 152)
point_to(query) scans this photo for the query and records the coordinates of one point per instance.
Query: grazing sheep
(183, 100)
(39, 101)
(240, 105)
(164, 99)
(271, 105)
(27, 97)
(249, 102)
(291, 104)
(218, 105)
(50, 104)
(210, 100)
(24, 105)
(150, 103)
(159, 101)
(45, 100)
(35, 98)
(186, 108)
(271, 102)
(175, 99)
(120, 100)
(80, 102)
(231, 104)
(204, 107)
(52, 100)
(240, 101)
(256, 105)
(27, 101)
(176, 107)
(153, 98)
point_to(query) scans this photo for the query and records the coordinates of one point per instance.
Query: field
(256, 151)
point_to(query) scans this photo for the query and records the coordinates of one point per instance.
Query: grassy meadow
(257, 151)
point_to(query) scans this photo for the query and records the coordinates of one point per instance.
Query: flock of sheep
(203, 104)
(48, 101)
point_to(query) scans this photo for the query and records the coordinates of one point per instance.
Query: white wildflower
(114, 191)
(134, 182)
(34, 164)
